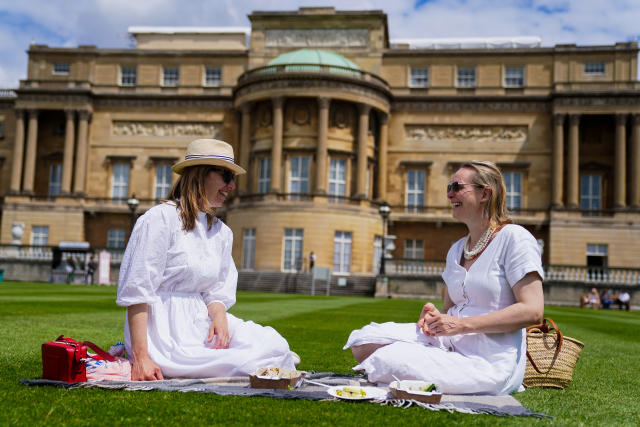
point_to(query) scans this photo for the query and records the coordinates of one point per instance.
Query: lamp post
(384, 211)
(133, 205)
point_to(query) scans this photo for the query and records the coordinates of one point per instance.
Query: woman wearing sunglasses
(178, 279)
(493, 278)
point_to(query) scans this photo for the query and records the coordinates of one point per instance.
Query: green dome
(313, 57)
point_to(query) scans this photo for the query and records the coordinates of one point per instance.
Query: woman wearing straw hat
(178, 279)
(493, 278)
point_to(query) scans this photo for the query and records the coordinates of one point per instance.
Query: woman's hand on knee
(219, 326)
(428, 310)
(145, 369)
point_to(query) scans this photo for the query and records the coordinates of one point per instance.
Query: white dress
(469, 363)
(178, 274)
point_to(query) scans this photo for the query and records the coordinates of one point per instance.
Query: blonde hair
(489, 175)
(189, 195)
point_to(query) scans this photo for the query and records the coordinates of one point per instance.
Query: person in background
(178, 279)
(493, 276)
(594, 299)
(92, 266)
(312, 261)
(605, 299)
(71, 269)
(624, 299)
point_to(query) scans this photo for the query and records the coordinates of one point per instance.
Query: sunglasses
(457, 186)
(227, 175)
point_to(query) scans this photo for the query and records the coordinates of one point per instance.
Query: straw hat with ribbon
(211, 152)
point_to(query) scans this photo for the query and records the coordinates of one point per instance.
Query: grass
(605, 389)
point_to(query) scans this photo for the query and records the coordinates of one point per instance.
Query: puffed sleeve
(522, 255)
(144, 259)
(224, 291)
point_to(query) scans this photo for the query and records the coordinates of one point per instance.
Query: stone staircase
(300, 283)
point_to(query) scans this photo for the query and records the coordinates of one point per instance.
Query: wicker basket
(551, 356)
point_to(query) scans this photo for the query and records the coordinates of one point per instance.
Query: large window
(128, 76)
(514, 77)
(419, 77)
(248, 248)
(513, 182)
(416, 180)
(120, 181)
(299, 176)
(264, 175)
(591, 192)
(61, 68)
(292, 259)
(115, 238)
(594, 68)
(212, 76)
(170, 76)
(40, 235)
(337, 179)
(55, 179)
(414, 248)
(163, 181)
(466, 77)
(342, 252)
(597, 255)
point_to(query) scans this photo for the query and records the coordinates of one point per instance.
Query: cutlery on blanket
(316, 383)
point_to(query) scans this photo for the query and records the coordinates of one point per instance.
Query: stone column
(557, 173)
(245, 147)
(573, 163)
(32, 148)
(18, 153)
(81, 154)
(67, 160)
(634, 189)
(620, 174)
(321, 150)
(382, 157)
(276, 148)
(363, 132)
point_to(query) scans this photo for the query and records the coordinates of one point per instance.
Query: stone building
(330, 118)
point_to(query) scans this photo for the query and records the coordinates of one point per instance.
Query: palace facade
(330, 118)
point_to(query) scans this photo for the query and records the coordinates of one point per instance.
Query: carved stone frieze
(466, 133)
(156, 103)
(598, 101)
(130, 128)
(342, 37)
(479, 105)
(54, 97)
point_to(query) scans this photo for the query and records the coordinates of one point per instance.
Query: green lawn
(605, 390)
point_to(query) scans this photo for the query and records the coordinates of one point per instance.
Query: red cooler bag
(65, 359)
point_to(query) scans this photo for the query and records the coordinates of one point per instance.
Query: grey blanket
(239, 386)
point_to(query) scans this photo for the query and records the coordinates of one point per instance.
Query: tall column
(276, 148)
(557, 173)
(81, 155)
(18, 153)
(573, 163)
(321, 150)
(245, 146)
(620, 174)
(67, 160)
(634, 190)
(32, 148)
(363, 132)
(382, 157)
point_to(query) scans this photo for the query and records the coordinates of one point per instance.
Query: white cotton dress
(470, 363)
(178, 274)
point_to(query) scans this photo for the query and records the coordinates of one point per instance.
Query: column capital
(246, 108)
(323, 102)
(277, 101)
(558, 119)
(84, 114)
(574, 119)
(33, 113)
(69, 113)
(19, 112)
(636, 119)
(384, 119)
(621, 119)
(364, 108)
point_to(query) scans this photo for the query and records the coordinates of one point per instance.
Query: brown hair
(188, 193)
(488, 174)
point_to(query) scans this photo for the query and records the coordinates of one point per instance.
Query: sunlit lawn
(605, 390)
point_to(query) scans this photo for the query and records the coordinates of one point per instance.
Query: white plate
(372, 393)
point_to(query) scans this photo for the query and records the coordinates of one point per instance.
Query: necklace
(480, 244)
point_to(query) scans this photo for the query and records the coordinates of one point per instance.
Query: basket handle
(544, 327)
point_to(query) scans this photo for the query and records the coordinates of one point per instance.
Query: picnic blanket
(239, 386)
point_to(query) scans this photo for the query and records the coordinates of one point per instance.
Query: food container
(414, 390)
(276, 378)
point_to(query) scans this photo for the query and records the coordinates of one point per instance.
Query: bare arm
(142, 367)
(527, 310)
